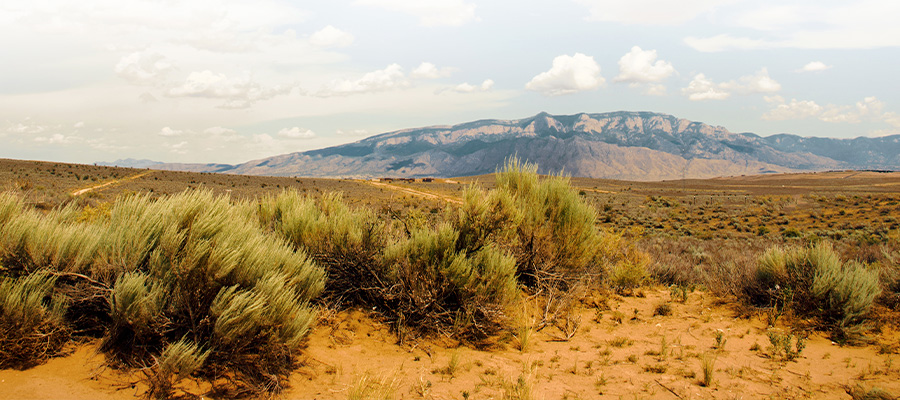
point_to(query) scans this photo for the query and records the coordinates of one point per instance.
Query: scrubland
(518, 286)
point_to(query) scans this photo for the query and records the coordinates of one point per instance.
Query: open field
(654, 340)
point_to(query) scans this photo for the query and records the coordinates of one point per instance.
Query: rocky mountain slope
(619, 145)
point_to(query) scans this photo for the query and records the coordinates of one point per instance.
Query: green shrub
(435, 286)
(783, 346)
(813, 282)
(31, 320)
(545, 224)
(627, 276)
(151, 272)
(178, 361)
(347, 243)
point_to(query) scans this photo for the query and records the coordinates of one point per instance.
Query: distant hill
(616, 145)
(129, 163)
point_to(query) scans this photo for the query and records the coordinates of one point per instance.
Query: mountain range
(616, 145)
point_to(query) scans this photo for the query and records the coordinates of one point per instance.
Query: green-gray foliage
(436, 285)
(178, 361)
(347, 242)
(150, 272)
(814, 282)
(31, 320)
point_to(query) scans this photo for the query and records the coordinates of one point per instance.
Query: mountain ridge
(632, 145)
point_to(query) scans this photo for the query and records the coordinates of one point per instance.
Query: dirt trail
(419, 193)
(80, 192)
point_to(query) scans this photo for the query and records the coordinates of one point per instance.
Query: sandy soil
(352, 355)
(79, 375)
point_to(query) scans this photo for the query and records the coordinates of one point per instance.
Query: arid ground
(677, 336)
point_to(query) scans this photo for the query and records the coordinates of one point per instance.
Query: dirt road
(415, 192)
(80, 192)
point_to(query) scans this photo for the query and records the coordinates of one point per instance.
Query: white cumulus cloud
(431, 12)
(702, 88)
(237, 92)
(296, 133)
(427, 70)
(868, 109)
(169, 132)
(796, 109)
(330, 36)
(466, 87)
(641, 66)
(143, 67)
(760, 82)
(814, 66)
(569, 74)
(389, 78)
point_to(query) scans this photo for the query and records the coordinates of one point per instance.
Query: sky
(232, 81)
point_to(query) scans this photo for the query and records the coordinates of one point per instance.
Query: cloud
(389, 78)
(641, 66)
(654, 89)
(814, 67)
(169, 132)
(760, 82)
(238, 93)
(296, 133)
(649, 12)
(891, 118)
(427, 70)
(27, 127)
(58, 138)
(869, 109)
(701, 88)
(768, 24)
(330, 36)
(569, 74)
(796, 109)
(465, 87)
(221, 133)
(430, 13)
(143, 67)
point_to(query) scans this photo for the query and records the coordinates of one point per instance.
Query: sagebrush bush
(31, 320)
(150, 272)
(436, 286)
(547, 227)
(427, 279)
(347, 242)
(814, 282)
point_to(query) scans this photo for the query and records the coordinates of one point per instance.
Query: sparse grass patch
(663, 309)
(707, 368)
(858, 392)
(783, 346)
(372, 387)
(620, 341)
(656, 368)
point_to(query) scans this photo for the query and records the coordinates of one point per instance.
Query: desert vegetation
(241, 287)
